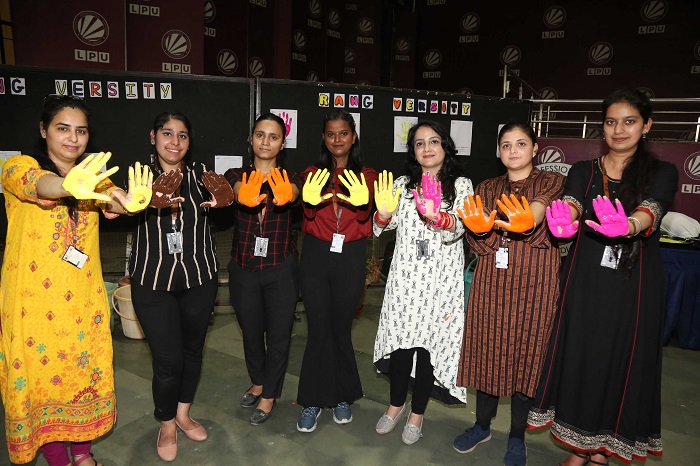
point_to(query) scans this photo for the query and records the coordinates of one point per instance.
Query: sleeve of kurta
(664, 185)
(577, 182)
(463, 188)
(548, 187)
(20, 175)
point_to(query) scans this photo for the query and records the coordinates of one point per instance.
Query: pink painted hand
(613, 219)
(559, 220)
(429, 200)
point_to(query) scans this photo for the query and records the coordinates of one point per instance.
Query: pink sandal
(77, 460)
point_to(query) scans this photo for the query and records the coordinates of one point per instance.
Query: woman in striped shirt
(174, 275)
(514, 292)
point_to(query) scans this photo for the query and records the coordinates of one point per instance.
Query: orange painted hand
(520, 217)
(249, 192)
(281, 187)
(473, 215)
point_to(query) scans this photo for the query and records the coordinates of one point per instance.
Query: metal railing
(674, 119)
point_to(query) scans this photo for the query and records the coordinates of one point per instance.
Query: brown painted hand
(221, 191)
(164, 187)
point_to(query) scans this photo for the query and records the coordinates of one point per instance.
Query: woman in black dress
(600, 385)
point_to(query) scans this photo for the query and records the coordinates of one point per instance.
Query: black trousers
(401, 363)
(331, 287)
(487, 407)
(264, 302)
(175, 324)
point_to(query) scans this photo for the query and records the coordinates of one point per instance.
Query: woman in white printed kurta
(423, 305)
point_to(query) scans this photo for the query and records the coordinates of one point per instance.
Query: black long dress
(600, 385)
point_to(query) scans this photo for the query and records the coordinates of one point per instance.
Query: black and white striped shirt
(151, 264)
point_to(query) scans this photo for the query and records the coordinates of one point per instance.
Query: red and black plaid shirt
(276, 227)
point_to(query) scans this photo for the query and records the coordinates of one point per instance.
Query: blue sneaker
(516, 454)
(466, 442)
(342, 413)
(307, 419)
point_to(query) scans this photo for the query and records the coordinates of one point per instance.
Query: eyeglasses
(62, 97)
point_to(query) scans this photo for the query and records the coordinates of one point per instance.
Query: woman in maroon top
(337, 223)
(263, 269)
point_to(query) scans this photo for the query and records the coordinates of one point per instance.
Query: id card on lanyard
(174, 239)
(73, 255)
(338, 239)
(260, 249)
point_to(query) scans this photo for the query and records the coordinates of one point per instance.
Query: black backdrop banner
(377, 112)
(221, 109)
(123, 106)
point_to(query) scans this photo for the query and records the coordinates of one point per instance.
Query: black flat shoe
(260, 416)
(249, 400)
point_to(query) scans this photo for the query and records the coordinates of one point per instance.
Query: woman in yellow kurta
(56, 374)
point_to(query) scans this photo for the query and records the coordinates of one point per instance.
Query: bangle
(380, 221)
(443, 221)
(531, 231)
(638, 228)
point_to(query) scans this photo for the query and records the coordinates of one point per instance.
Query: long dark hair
(450, 170)
(354, 160)
(269, 117)
(638, 170)
(160, 120)
(54, 104)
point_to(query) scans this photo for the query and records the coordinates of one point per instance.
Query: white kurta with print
(424, 298)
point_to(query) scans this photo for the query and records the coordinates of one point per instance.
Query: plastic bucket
(125, 309)
(109, 289)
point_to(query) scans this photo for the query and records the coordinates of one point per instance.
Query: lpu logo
(432, 60)
(176, 45)
(600, 53)
(653, 11)
(365, 27)
(469, 24)
(91, 28)
(333, 23)
(402, 48)
(349, 60)
(510, 56)
(554, 18)
(691, 166)
(300, 44)
(227, 61)
(314, 7)
(209, 15)
(552, 159)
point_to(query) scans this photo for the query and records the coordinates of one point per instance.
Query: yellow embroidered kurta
(56, 375)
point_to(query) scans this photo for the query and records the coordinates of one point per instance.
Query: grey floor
(232, 440)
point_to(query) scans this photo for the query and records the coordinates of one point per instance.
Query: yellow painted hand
(384, 198)
(520, 217)
(281, 186)
(249, 192)
(140, 192)
(359, 193)
(473, 215)
(311, 192)
(403, 134)
(81, 180)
